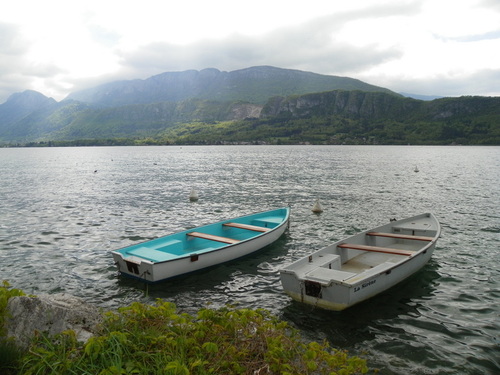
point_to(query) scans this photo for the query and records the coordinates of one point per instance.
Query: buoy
(193, 196)
(317, 208)
(416, 169)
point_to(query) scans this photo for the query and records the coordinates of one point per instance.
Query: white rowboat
(201, 247)
(359, 267)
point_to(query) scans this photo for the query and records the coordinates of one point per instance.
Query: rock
(241, 111)
(52, 314)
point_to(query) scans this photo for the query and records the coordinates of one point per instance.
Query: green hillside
(337, 117)
(342, 117)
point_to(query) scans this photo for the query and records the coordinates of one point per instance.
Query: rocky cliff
(339, 102)
(376, 105)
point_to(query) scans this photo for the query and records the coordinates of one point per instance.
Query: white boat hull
(336, 278)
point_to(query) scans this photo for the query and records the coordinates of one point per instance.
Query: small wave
(491, 229)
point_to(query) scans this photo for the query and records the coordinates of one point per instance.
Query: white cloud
(439, 47)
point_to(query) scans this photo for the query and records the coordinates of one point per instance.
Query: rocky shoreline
(52, 314)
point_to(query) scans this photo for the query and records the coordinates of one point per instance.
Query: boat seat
(376, 249)
(211, 237)
(151, 254)
(326, 275)
(400, 236)
(247, 226)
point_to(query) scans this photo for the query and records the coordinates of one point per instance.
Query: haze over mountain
(421, 97)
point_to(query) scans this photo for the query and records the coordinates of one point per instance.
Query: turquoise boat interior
(207, 238)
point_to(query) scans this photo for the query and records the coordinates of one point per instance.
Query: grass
(10, 357)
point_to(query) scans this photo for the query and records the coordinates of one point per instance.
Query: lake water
(62, 210)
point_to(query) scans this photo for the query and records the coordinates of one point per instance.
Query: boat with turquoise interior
(202, 247)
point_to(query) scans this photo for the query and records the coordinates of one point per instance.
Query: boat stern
(330, 297)
(134, 266)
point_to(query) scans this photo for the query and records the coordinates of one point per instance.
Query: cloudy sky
(426, 47)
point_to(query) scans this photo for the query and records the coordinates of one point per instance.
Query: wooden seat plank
(211, 237)
(378, 249)
(247, 226)
(400, 236)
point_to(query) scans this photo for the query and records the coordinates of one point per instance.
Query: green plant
(10, 356)
(6, 292)
(157, 339)
(9, 353)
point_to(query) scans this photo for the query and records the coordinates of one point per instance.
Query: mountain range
(211, 106)
(254, 85)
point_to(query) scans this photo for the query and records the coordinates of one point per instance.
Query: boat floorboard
(367, 261)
